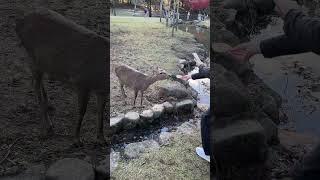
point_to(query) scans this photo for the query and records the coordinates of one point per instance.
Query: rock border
(132, 119)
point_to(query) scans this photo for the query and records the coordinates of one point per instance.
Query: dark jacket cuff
(267, 49)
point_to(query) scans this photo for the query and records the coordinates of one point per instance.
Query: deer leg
(83, 98)
(135, 97)
(101, 105)
(122, 90)
(45, 106)
(37, 75)
(141, 98)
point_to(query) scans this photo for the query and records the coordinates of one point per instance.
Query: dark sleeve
(302, 34)
(204, 73)
(302, 29)
(279, 46)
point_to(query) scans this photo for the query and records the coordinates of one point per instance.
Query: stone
(70, 169)
(158, 110)
(242, 142)
(225, 36)
(269, 106)
(231, 96)
(146, 116)
(283, 116)
(168, 107)
(185, 106)
(131, 119)
(175, 90)
(194, 93)
(186, 128)
(231, 64)
(270, 129)
(134, 150)
(117, 123)
(165, 137)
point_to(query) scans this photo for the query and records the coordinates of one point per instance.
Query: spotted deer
(136, 80)
(69, 53)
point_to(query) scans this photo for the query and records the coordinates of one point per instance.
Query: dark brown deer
(69, 53)
(136, 80)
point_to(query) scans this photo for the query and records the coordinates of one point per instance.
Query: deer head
(160, 74)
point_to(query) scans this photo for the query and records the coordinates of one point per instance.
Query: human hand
(185, 77)
(243, 52)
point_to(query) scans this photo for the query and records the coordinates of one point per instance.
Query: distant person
(145, 12)
(188, 15)
(301, 34)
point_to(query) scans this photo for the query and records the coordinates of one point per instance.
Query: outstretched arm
(204, 73)
(279, 46)
(303, 30)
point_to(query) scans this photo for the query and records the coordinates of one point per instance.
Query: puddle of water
(285, 82)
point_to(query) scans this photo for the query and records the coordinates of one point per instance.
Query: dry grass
(178, 160)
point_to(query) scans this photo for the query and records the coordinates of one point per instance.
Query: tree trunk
(161, 12)
(150, 15)
(174, 17)
(177, 17)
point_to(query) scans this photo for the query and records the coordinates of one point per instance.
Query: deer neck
(151, 80)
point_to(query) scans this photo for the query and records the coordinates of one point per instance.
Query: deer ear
(154, 72)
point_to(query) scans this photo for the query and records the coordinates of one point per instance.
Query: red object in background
(197, 4)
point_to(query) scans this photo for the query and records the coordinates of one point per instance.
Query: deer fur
(71, 54)
(136, 80)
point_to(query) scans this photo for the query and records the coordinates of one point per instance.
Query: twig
(11, 161)
(9, 150)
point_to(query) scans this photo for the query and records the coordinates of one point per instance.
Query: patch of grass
(175, 161)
